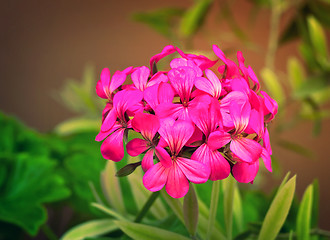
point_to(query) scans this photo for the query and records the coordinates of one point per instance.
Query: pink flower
(115, 123)
(148, 126)
(106, 87)
(207, 119)
(247, 150)
(173, 170)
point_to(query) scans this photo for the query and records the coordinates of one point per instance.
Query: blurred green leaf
(315, 207)
(161, 20)
(27, 183)
(238, 209)
(311, 86)
(278, 211)
(229, 185)
(273, 85)
(108, 211)
(295, 147)
(296, 73)
(304, 215)
(194, 17)
(139, 231)
(92, 228)
(77, 125)
(82, 165)
(80, 96)
(318, 39)
(111, 187)
(190, 210)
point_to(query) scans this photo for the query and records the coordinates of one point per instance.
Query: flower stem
(146, 206)
(213, 208)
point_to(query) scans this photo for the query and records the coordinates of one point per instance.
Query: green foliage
(92, 228)
(144, 232)
(190, 210)
(194, 17)
(28, 177)
(278, 211)
(273, 85)
(162, 20)
(304, 215)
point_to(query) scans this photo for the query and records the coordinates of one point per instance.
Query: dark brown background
(43, 43)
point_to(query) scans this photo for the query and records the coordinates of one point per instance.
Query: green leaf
(79, 96)
(273, 85)
(77, 125)
(316, 197)
(161, 20)
(108, 211)
(139, 231)
(238, 209)
(229, 185)
(213, 208)
(92, 228)
(111, 187)
(304, 215)
(190, 210)
(194, 17)
(29, 182)
(278, 211)
(296, 73)
(318, 39)
(311, 86)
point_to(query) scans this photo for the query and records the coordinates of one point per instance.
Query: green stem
(146, 206)
(213, 208)
(48, 232)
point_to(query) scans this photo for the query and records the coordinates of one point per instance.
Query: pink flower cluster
(195, 124)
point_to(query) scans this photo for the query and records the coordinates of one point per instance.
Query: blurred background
(46, 44)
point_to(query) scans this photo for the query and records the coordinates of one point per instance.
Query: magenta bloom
(106, 87)
(195, 123)
(173, 170)
(115, 123)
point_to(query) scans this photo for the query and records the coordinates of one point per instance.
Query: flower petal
(147, 124)
(102, 135)
(195, 171)
(164, 157)
(240, 115)
(218, 139)
(245, 172)
(267, 160)
(140, 77)
(148, 160)
(100, 91)
(246, 149)
(118, 78)
(176, 134)
(105, 79)
(109, 120)
(112, 148)
(165, 52)
(155, 178)
(177, 184)
(136, 146)
(218, 165)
